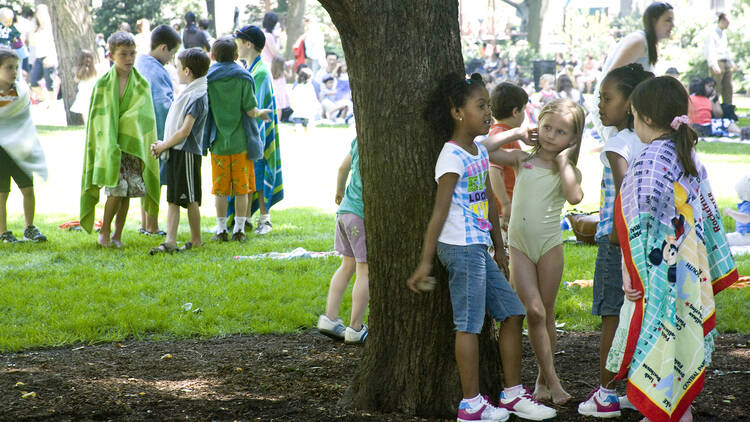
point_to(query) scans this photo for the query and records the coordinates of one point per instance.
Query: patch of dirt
(296, 377)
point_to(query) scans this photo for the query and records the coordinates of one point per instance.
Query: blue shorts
(608, 294)
(476, 284)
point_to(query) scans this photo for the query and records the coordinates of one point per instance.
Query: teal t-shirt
(352, 202)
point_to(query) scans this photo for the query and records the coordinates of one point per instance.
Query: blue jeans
(476, 284)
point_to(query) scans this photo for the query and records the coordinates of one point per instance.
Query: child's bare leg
(360, 296)
(241, 205)
(3, 212)
(524, 279)
(510, 349)
(122, 215)
(609, 326)
(336, 290)
(194, 220)
(221, 206)
(467, 358)
(173, 222)
(549, 274)
(29, 203)
(111, 206)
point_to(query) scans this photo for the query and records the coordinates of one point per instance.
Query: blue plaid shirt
(468, 222)
(606, 205)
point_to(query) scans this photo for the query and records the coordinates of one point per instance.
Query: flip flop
(186, 247)
(144, 231)
(162, 248)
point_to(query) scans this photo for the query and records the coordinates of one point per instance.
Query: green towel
(114, 126)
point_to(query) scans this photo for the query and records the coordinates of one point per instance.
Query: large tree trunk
(72, 29)
(294, 25)
(408, 364)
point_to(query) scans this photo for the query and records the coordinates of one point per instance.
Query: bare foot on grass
(560, 397)
(103, 241)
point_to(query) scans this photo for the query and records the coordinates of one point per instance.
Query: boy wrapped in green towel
(121, 128)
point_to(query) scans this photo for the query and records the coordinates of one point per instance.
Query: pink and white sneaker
(594, 406)
(486, 412)
(526, 407)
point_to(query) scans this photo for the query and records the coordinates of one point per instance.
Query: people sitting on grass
(351, 243)
(21, 154)
(119, 134)
(705, 113)
(741, 236)
(183, 138)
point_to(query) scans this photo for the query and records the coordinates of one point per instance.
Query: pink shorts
(350, 237)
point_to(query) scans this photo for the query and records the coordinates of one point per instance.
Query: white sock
(239, 224)
(603, 393)
(264, 218)
(513, 392)
(475, 402)
(221, 222)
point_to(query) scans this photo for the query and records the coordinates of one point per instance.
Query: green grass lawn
(67, 290)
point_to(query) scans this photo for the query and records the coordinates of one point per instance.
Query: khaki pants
(723, 81)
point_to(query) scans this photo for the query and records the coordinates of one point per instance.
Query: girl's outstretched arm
(496, 141)
(446, 186)
(571, 185)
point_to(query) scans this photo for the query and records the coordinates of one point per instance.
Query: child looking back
(183, 137)
(545, 179)
(21, 154)
(232, 132)
(508, 110)
(676, 259)
(119, 134)
(85, 76)
(461, 231)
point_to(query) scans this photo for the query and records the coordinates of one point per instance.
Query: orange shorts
(232, 174)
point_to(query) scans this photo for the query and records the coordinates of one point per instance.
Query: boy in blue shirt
(164, 44)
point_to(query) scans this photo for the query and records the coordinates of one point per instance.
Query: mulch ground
(297, 377)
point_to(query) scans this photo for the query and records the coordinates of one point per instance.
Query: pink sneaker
(485, 413)
(526, 407)
(609, 408)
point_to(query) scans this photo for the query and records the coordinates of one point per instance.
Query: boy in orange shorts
(230, 128)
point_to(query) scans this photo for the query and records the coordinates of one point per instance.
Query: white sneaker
(600, 407)
(264, 227)
(486, 412)
(332, 329)
(625, 403)
(526, 407)
(355, 337)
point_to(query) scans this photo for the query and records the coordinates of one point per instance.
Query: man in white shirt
(720, 63)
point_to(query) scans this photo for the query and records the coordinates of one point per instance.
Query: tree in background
(532, 14)
(72, 28)
(112, 13)
(295, 25)
(408, 363)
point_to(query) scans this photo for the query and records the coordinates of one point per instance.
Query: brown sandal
(162, 248)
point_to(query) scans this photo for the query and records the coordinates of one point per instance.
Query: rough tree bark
(396, 51)
(73, 32)
(532, 15)
(294, 25)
